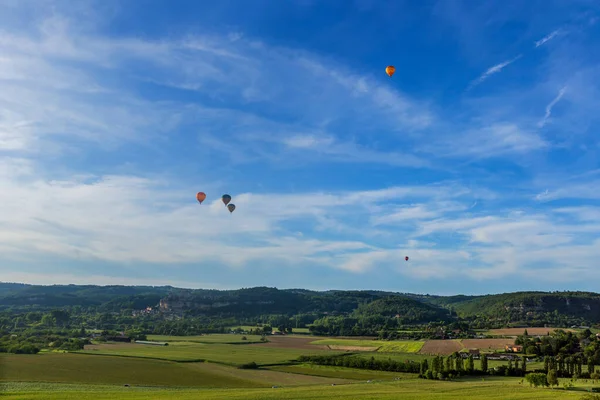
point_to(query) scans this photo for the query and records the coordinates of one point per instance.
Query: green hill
(253, 304)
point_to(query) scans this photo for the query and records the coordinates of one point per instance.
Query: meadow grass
(213, 338)
(303, 331)
(103, 370)
(340, 372)
(220, 353)
(396, 346)
(406, 389)
(86, 369)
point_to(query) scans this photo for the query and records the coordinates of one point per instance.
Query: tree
(537, 379)
(525, 333)
(484, 363)
(424, 367)
(470, 365)
(551, 378)
(449, 364)
(459, 364)
(267, 329)
(48, 320)
(524, 367)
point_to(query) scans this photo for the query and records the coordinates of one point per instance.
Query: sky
(478, 159)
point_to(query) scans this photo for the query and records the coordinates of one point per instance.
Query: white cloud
(66, 87)
(493, 140)
(492, 70)
(559, 96)
(548, 37)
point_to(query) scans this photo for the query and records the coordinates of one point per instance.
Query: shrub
(250, 365)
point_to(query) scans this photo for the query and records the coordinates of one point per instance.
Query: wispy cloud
(548, 37)
(550, 105)
(491, 71)
(105, 139)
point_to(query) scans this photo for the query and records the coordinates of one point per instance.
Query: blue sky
(478, 159)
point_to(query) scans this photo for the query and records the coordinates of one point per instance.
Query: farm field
(442, 347)
(87, 369)
(406, 389)
(486, 344)
(212, 338)
(378, 345)
(340, 372)
(519, 331)
(84, 376)
(303, 331)
(261, 353)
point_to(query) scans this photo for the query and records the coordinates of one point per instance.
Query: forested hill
(522, 307)
(527, 306)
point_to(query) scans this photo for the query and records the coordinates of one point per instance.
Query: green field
(157, 372)
(406, 389)
(396, 346)
(303, 331)
(213, 338)
(340, 372)
(216, 352)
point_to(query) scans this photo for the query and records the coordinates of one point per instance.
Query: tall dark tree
(470, 365)
(484, 363)
(552, 378)
(449, 364)
(424, 367)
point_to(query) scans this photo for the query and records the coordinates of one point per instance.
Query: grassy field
(85, 369)
(216, 352)
(382, 346)
(340, 372)
(103, 370)
(406, 389)
(157, 372)
(303, 331)
(213, 338)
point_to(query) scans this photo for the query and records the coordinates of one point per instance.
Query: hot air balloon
(226, 199)
(406, 258)
(201, 196)
(390, 69)
(231, 207)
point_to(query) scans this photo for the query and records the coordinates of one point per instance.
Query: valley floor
(207, 367)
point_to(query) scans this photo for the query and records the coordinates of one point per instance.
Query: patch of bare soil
(487, 344)
(293, 342)
(442, 347)
(519, 331)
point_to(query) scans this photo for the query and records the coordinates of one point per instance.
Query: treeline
(566, 345)
(31, 341)
(441, 368)
(571, 367)
(456, 365)
(352, 313)
(350, 361)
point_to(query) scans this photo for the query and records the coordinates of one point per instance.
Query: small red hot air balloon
(406, 258)
(390, 70)
(201, 196)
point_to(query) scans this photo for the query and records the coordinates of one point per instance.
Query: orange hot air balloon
(390, 69)
(231, 207)
(201, 196)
